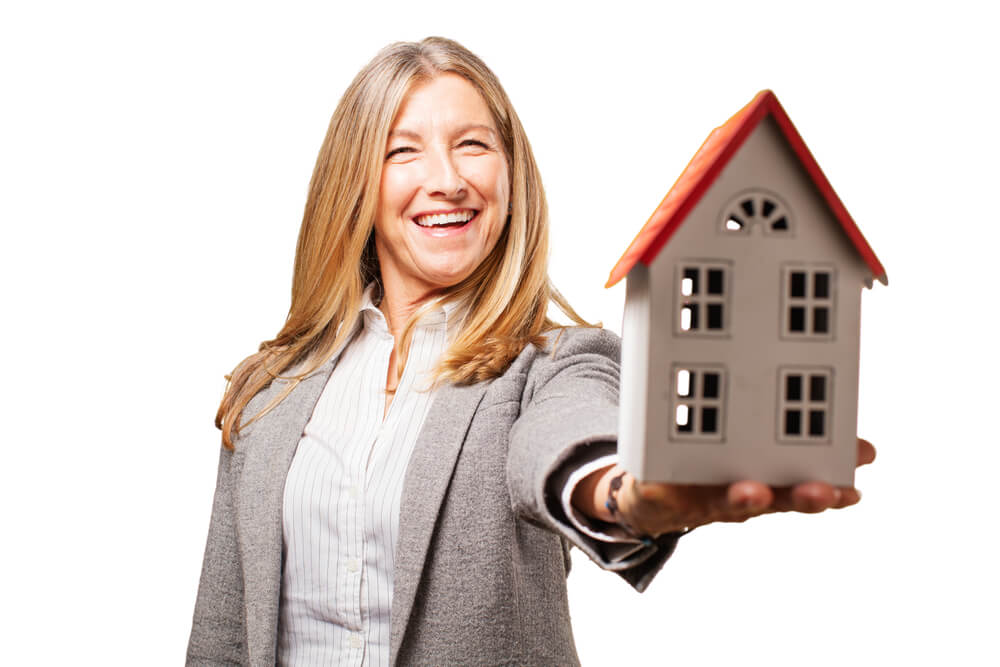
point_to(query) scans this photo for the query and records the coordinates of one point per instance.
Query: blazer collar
(424, 488)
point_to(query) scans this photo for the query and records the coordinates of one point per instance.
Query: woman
(406, 463)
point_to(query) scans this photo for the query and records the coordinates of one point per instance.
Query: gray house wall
(753, 350)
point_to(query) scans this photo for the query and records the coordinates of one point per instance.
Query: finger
(848, 496)
(748, 495)
(809, 497)
(866, 452)
(745, 500)
(813, 497)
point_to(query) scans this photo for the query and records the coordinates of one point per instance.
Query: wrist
(616, 481)
(590, 493)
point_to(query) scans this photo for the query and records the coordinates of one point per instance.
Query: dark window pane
(691, 308)
(821, 285)
(816, 426)
(714, 315)
(798, 285)
(793, 388)
(817, 388)
(709, 420)
(793, 422)
(768, 208)
(821, 320)
(747, 206)
(797, 319)
(710, 385)
(715, 281)
(780, 225)
(692, 273)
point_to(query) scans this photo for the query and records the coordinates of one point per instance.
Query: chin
(445, 280)
(442, 274)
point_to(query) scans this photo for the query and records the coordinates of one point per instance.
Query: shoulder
(280, 408)
(568, 345)
(567, 360)
(568, 342)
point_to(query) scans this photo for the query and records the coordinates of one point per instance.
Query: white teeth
(444, 218)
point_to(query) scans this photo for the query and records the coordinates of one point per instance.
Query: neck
(399, 304)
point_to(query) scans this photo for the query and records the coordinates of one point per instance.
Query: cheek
(396, 189)
(503, 199)
(493, 183)
(503, 187)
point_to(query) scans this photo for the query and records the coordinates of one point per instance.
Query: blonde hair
(507, 295)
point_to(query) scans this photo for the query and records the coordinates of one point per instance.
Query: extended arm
(569, 415)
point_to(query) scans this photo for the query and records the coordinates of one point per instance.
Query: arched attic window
(756, 207)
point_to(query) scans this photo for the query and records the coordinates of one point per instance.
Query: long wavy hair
(507, 295)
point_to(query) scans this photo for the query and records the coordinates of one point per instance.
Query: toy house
(742, 315)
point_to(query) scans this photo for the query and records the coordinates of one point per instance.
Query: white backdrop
(154, 158)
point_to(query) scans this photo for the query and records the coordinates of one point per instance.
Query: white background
(154, 158)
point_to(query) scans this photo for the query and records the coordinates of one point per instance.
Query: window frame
(805, 405)
(700, 299)
(735, 209)
(696, 402)
(809, 303)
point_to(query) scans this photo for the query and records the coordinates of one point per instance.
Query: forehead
(446, 102)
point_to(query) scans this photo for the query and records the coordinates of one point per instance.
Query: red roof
(705, 167)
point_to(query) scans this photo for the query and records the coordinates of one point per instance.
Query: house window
(804, 400)
(699, 393)
(703, 300)
(756, 208)
(808, 302)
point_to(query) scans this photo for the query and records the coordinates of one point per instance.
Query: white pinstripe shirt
(341, 499)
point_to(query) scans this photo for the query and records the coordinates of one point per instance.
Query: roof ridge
(703, 168)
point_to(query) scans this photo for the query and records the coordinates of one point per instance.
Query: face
(444, 190)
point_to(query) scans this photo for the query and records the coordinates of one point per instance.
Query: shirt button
(353, 492)
(355, 641)
(353, 565)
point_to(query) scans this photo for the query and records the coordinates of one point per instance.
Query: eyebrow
(410, 134)
(404, 133)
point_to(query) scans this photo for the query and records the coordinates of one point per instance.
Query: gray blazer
(483, 548)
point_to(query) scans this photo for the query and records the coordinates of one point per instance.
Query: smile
(446, 218)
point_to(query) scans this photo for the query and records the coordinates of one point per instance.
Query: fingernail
(838, 495)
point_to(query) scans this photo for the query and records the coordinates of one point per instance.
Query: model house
(741, 326)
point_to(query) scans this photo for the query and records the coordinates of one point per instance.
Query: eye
(400, 149)
(475, 142)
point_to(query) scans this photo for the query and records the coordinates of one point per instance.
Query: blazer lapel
(424, 487)
(269, 447)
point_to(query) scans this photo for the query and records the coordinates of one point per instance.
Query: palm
(656, 508)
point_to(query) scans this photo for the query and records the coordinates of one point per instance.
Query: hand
(656, 508)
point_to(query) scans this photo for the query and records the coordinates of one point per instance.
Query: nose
(443, 177)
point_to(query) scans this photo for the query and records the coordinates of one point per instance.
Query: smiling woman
(405, 465)
(390, 143)
(384, 414)
(444, 192)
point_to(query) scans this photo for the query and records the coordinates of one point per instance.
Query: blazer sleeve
(218, 632)
(569, 415)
